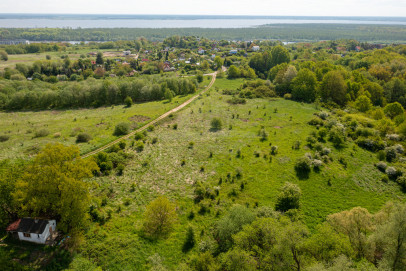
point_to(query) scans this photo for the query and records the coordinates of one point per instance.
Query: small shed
(40, 231)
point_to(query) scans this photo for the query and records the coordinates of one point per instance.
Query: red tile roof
(13, 226)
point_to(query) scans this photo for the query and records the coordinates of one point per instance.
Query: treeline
(35, 95)
(373, 78)
(289, 32)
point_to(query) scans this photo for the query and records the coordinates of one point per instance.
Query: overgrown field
(29, 131)
(236, 161)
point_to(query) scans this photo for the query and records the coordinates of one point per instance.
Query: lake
(176, 21)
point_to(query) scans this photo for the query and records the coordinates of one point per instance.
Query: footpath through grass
(187, 151)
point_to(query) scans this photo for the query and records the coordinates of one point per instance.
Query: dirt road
(155, 120)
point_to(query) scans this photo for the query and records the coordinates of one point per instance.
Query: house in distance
(40, 231)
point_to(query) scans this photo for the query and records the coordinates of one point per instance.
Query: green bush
(128, 101)
(41, 133)
(139, 136)
(122, 128)
(139, 146)
(4, 138)
(189, 242)
(83, 138)
(216, 124)
(303, 166)
(288, 198)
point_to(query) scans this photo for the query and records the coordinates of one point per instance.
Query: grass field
(158, 170)
(64, 125)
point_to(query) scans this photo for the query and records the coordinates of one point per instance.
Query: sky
(211, 7)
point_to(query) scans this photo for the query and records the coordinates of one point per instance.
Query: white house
(126, 53)
(255, 48)
(33, 230)
(201, 51)
(233, 52)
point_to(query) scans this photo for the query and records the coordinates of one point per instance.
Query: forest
(284, 32)
(294, 159)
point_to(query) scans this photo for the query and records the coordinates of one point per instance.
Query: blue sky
(211, 7)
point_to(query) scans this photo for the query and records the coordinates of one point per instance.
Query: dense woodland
(359, 91)
(287, 32)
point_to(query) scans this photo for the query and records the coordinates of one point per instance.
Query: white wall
(39, 238)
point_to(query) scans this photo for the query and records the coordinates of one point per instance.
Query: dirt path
(155, 120)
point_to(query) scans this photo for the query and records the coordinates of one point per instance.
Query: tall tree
(304, 86)
(333, 88)
(52, 186)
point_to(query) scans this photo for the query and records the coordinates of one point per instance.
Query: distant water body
(176, 21)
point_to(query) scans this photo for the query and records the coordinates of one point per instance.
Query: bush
(317, 164)
(236, 100)
(402, 182)
(139, 136)
(41, 133)
(381, 166)
(216, 124)
(316, 121)
(337, 137)
(371, 144)
(274, 150)
(288, 198)
(139, 146)
(303, 166)
(189, 242)
(391, 172)
(391, 154)
(160, 217)
(4, 138)
(122, 128)
(287, 96)
(128, 101)
(83, 138)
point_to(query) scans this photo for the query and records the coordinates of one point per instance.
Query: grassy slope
(157, 170)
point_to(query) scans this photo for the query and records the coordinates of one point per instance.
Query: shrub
(4, 138)
(337, 137)
(120, 169)
(303, 166)
(216, 124)
(316, 121)
(154, 140)
(391, 154)
(175, 126)
(139, 136)
(393, 109)
(381, 166)
(122, 145)
(128, 101)
(122, 128)
(139, 146)
(83, 138)
(402, 182)
(57, 135)
(191, 144)
(317, 164)
(41, 133)
(160, 217)
(391, 172)
(323, 115)
(288, 198)
(189, 242)
(371, 144)
(274, 150)
(151, 128)
(287, 96)
(236, 100)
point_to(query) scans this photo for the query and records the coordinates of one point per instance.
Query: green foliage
(233, 72)
(53, 186)
(363, 103)
(83, 138)
(122, 128)
(288, 198)
(232, 223)
(159, 218)
(304, 86)
(128, 101)
(333, 88)
(190, 241)
(41, 133)
(394, 109)
(216, 124)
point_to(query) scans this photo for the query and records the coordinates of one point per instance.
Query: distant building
(126, 53)
(233, 52)
(255, 48)
(40, 231)
(14, 42)
(201, 51)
